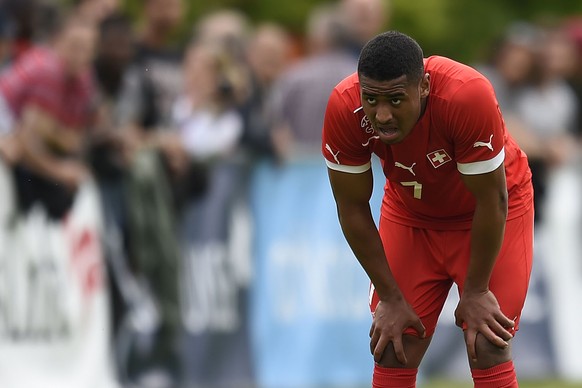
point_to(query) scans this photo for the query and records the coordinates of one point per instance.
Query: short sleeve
(44, 87)
(343, 145)
(477, 128)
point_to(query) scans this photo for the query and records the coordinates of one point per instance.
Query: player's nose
(383, 114)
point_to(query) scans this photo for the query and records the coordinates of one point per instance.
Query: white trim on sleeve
(348, 169)
(482, 167)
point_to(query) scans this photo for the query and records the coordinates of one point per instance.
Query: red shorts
(425, 263)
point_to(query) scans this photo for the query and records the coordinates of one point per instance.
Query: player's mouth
(388, 134)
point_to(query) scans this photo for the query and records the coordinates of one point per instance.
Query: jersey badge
(438, 158)
(410, 169)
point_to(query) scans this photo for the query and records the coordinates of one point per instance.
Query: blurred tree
(464, 29)
(460, 29)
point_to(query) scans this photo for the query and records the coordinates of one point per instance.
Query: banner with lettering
(214, 281)
(310, 314)
(54, 311)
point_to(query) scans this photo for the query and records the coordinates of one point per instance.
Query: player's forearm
(362, 235)
(486, 238)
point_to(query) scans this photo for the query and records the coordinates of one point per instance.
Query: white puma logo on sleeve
(483, 144)
(327, 147)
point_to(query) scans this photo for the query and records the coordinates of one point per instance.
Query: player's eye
(395, 101)
(371, 100)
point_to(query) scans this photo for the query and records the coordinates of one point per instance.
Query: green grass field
(522, 384)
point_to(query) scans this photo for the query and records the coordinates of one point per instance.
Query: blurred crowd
(161, 123)
(87, 93)
(537, 75)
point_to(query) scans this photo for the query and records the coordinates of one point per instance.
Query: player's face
(393, 107)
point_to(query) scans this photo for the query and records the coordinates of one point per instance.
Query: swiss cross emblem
(438, 158)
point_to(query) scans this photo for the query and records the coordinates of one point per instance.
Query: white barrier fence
(54, 312)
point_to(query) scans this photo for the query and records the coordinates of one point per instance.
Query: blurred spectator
(144, 110)
(364, 19)
(209, 128)
(299, 98)
(268, 55)
(528, 73)
(547, 109)
(34, 21)
(511, 65)
(115, 52)
(47, 97)
(153, 84)
(109, 156)
(6, 37)
(96, 10)
(226, 26)
(23, 16)
(205, 115)
(573, 28)
(550, 108)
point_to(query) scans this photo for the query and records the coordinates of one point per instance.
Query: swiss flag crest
(438, 158)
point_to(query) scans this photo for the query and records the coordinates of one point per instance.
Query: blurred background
(165, 214)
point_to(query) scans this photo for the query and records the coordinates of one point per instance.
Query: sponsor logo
(410, 169)
(483, 144)
(328, 148)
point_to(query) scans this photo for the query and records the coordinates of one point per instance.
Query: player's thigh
(511, 272)
(412, 255)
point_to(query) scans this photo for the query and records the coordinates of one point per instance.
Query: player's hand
(479, 312)
(389, 321)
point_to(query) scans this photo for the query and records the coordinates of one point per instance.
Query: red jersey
(461, 132)
(39, 78)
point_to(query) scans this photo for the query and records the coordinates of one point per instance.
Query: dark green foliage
(461, 29)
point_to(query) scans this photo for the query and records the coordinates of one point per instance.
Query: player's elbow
(502, 201)
(351, 214)
(494, 203)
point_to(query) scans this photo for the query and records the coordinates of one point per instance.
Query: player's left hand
(479, 312)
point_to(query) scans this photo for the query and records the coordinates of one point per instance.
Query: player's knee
(414, 349)
(489, 355)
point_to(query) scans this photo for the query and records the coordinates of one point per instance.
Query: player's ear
(425, 86)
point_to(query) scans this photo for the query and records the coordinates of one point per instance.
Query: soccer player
(457, 206)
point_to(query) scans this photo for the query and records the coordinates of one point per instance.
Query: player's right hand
(390, 319)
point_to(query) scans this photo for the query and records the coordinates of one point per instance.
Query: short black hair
(390, 55)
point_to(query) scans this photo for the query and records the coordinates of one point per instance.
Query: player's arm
(478, 309)
(352, 192)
